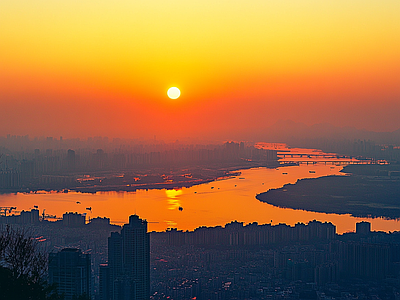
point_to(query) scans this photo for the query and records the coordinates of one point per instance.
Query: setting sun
(174, 93)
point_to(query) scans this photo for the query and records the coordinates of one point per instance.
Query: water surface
(210, 204)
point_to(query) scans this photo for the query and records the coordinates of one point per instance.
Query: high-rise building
(104, 282)
(71, 271)
(363, 228)
(71, 219)
(128, 263)
(364, 260)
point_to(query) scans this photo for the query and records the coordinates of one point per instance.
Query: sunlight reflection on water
(210, 204)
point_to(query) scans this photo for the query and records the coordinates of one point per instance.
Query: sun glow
(174, 93)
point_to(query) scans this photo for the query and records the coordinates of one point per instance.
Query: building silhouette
(24, 218)
(238, 234)
(366, 260)
(71, 219)
(363, 228)
(127, 275)
(104, 282)
(71, 271)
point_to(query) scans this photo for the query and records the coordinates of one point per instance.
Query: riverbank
(369, 191)
(131, 181)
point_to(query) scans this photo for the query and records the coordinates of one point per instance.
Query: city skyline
(233, 261)
(200, 150)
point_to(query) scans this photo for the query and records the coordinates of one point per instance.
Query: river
(209, 204)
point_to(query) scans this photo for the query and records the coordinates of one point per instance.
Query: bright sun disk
(174, 93)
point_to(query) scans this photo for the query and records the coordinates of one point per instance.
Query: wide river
(210, 204)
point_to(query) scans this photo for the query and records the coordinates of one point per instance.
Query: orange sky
(80, 68)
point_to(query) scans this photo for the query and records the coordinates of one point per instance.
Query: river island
(363, 191)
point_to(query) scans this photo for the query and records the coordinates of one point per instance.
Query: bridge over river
(324, 158)
(329, 162)
(314, 155)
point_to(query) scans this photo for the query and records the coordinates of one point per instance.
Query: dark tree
(22, 268)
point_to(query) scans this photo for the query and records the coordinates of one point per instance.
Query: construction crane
(47, 216)
(5, 209)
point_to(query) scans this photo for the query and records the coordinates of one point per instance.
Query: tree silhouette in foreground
(23, 268)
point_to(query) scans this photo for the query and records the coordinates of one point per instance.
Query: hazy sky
(81, 68)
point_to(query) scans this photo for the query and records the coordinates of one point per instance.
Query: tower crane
(47, 216)
(6, 209)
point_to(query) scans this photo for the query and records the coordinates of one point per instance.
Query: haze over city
(199, 150)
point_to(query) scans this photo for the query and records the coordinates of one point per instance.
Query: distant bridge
(330, 162)
(316, 155)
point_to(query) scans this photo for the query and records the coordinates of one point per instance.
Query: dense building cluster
(235, 261)
(318, 268)
(53, 165)
(238, 234)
